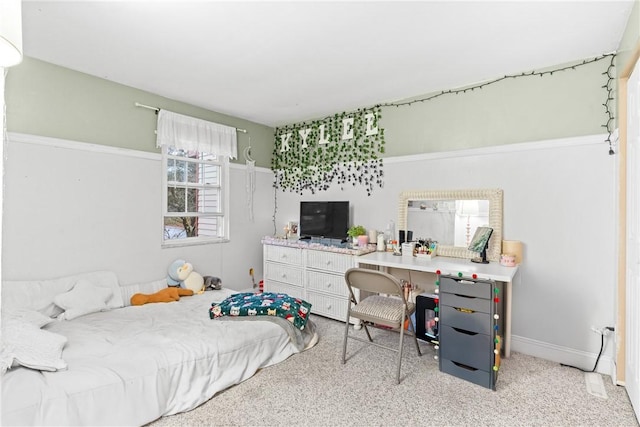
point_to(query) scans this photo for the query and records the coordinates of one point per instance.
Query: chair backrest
(373, 281)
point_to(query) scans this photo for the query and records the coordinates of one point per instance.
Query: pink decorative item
(363, 240)
(508, 260)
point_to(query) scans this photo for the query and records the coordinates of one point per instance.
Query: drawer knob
(328, 284)
(284, 275)
(283, 256)
(328, 306)
(328, 262)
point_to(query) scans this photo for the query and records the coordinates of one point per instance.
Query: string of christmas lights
(506, 77)
(496, 319)
(496, 337)
(609, 86)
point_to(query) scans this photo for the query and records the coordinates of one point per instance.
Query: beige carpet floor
(315, 389)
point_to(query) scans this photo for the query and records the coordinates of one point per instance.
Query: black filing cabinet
(470, 329)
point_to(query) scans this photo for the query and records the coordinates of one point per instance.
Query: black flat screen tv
(324, 219)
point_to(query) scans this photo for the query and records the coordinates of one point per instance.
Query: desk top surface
(446, 265)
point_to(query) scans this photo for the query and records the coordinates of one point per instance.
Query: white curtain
(190, 133)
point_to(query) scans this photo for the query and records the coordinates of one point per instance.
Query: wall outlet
(596, 330)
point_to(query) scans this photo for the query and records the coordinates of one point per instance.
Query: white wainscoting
(559, 199)
(71, 207)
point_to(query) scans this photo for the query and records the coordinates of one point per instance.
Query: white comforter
(132, 365)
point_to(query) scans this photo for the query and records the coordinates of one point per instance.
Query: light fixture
(10, 32)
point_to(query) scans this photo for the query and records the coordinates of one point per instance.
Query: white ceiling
(283, 62)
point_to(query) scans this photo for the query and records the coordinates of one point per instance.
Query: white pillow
(39, 294)
(106, 279)
(32, 317)
(84, 298)
(35, 295)
(28, 345)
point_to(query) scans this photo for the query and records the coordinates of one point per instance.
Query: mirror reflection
(451, 217)
(449, 222)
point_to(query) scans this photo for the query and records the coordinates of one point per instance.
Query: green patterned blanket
(281, 305)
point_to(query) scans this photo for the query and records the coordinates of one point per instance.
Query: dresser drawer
(283, 254)
(329, 306)
(472, 349)
(471, 288)
(474, 321)
(469, 303)
(329, 283)
(329, 261)
(284, 288)
(476, 376)
(283, 273)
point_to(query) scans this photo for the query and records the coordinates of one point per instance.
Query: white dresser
(310, 272)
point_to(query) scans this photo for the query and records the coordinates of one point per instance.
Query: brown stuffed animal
(165, 295)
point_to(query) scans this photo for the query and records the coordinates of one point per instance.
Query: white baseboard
(565, 355)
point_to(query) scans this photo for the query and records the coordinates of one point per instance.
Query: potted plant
(359, 235)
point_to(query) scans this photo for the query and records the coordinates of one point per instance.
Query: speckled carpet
(315, 389)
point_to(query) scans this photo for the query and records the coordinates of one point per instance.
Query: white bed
(132, 365)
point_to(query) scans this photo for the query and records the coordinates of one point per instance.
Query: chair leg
(399, 354)
(364, 325)
(415, 338)
(346, 335)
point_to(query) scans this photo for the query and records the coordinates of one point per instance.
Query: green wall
(528, 108)
(531, 108)
(48, 100)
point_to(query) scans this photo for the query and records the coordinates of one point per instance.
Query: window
(195, 197)
(195, 165)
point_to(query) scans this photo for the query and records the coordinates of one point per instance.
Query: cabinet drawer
(476, 376)
(329, 261)
(470, 303)
(472, 349)
(284, 288)
(283, 273)
(329, 283)
(453, 285)
(474, 321)
(283, 254)
(325, 305)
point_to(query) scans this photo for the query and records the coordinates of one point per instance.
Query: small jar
(508, 260)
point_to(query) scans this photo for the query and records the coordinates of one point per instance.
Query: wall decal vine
(345, 149)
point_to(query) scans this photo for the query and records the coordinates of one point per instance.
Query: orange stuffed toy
(165, 295)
